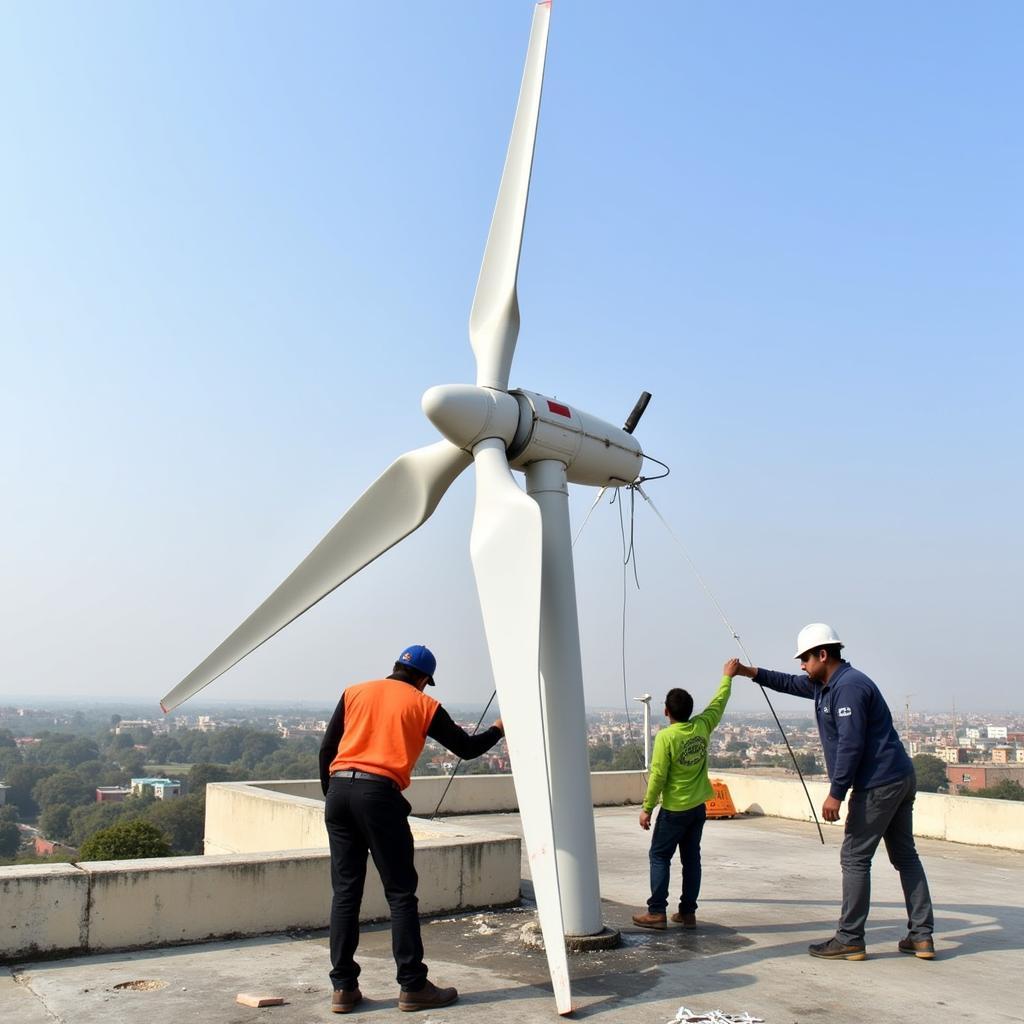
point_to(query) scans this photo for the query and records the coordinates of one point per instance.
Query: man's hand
(645, 820)
(499, 725)
(830, 808)
(734, 667)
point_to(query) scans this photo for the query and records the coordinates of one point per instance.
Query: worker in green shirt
(679, 780)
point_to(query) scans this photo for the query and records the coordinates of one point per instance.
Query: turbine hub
(466, 414)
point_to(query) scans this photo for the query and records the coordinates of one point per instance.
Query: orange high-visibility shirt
(386, 723)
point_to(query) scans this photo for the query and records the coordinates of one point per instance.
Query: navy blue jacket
(861, 747)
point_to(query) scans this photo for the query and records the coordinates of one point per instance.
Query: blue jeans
(676, 830)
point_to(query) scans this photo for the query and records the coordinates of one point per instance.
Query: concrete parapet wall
(244, 817)
(43, 908)
(958, 819)
(104, 905)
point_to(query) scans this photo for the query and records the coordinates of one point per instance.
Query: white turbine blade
(506, 550)
(399, 501)
(494, 319)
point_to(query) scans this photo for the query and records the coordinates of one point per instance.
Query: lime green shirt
(679, 764)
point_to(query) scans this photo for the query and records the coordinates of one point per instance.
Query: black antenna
(638, 410)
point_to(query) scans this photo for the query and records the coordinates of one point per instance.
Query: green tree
(7, 739)
(9, 812)
(182, 821)
(931, 773)
(22, 779)
(55, 822)
(201, 774)
(133, 762)
(85, 821)
(629, 758)
(10, 757)
(127, 840)
(10, 839)
(256, 746)
(64, 787)
(1004, 789)
(164, 749)
(601, 757)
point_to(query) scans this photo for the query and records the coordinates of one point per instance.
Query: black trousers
(366, 817)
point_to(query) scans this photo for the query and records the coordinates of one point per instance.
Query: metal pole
(564, 711)
(646, 701)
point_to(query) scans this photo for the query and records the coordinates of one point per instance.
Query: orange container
(720, 805)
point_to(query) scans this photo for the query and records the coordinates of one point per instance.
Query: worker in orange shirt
(374, 738)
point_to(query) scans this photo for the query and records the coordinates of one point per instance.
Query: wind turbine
(521, 551)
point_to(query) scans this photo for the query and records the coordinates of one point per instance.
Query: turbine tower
(521, 551)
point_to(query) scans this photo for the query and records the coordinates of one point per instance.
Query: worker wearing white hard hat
(865, 758)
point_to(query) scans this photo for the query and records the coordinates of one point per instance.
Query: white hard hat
(816, 635)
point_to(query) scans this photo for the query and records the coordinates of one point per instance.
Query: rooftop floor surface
(769, 889)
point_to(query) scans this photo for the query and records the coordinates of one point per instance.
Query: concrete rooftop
(769, 889)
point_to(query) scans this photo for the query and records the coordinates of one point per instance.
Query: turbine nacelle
(534, 427)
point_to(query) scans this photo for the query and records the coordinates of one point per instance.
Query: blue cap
(419, 658)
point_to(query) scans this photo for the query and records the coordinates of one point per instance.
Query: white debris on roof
(685, 1016)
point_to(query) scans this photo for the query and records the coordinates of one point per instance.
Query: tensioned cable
(743, 649)
(451, 778)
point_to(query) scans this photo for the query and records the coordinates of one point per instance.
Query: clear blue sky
(238, 241)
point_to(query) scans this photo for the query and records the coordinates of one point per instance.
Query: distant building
(204, 723)
(112, 794)
(982, 776)
(951, 755)
(3, 794)
(163, 789)
(47, 847)
(127, 725)
(996, 732)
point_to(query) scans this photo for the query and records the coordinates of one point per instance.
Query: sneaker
(836, 950)
(649, 920)
(345, 1000)
(923, 949)
(686, 920)
(430, 997)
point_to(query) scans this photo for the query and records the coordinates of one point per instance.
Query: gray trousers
(886, 812)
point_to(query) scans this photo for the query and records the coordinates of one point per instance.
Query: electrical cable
(627, 556)
(743, 649)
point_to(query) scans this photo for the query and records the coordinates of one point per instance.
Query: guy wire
(743, 649)
(451, 778)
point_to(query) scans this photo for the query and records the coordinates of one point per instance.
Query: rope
(742, 647)
(451, 778)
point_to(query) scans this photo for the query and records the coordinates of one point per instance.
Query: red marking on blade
(560, 410)
(162, 708)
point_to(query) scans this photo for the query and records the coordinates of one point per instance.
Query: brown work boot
(345, 1000)
(430, 997)
(649, 920)
(686, 920)
(923, 949)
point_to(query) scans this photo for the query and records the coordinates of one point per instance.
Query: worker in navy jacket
(865, 760)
